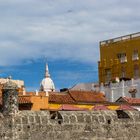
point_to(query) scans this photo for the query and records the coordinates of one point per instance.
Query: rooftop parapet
(122, 38)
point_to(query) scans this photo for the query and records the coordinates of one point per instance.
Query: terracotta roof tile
(60, 98)
(132, 100)
(21, 99)
(24, 99)
(87, 96)
(71, 96)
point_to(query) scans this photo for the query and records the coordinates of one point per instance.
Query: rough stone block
(73, 119)
(44, 120)
(66, 119)
(31, 119)
(80, 118)
(24, 120)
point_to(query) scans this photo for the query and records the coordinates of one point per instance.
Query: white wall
(115, 90)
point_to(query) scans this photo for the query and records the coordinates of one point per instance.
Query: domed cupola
(47, 83)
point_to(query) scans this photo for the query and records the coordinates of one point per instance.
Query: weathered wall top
(10, 85)
(72, 125)
(64, 125)
(10, 98)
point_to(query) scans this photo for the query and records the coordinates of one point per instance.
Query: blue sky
(66, 32)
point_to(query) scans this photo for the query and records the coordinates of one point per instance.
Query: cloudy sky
(66, 32)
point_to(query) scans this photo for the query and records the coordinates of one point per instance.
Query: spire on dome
(47, 71)
(47, 84)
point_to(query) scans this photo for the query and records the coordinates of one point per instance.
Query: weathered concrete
(70, 125)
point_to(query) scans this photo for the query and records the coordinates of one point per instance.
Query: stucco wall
(71, 125)
(119, 91)
(39, 102)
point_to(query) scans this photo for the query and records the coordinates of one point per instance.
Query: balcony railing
(122, 38)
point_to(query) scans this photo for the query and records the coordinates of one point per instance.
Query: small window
(133, 95)
(135, 55)
(122, 57)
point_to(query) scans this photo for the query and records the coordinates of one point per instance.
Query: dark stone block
(62, 135)
(24, 136)
(25, 120)
(37, 119)
(44, 120)
(66, 119)
(18, 120)
(67, 127)
(88, 128)
(75, 135)
(88, 119)
(31, 119)
(80, 119)
(101, 119)
(95, 119)
(26, 128)
(18, 128)
(72, 119)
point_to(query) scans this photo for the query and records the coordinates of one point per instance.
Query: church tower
(47, 83)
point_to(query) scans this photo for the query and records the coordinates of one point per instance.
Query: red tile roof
(62, 98)
(24, 99)
(70, 97)
(131, 101)
(87, 96)
(21, 99)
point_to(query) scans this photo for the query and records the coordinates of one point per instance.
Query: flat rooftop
(121, 38)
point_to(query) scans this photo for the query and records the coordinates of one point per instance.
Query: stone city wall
(71, 125)
(64, 125)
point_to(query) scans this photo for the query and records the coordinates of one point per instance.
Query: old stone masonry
(64, 125)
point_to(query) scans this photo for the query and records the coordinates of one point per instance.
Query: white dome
(47, 85)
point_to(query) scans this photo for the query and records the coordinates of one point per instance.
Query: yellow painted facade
(53, 106)
(119, 57)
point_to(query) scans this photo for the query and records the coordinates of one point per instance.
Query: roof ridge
(71, 96)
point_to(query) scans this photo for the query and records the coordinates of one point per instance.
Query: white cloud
(62, 29)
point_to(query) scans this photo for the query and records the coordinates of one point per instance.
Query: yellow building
(119, 57)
